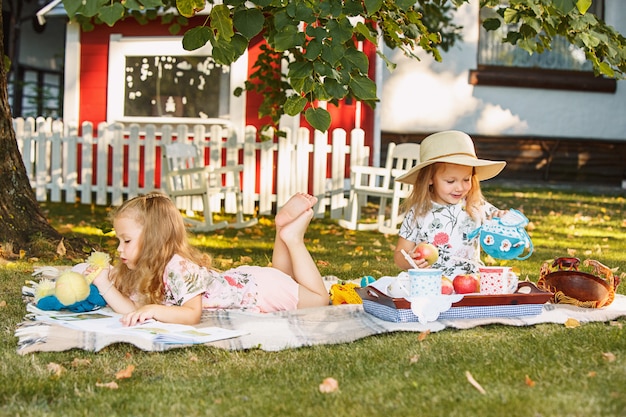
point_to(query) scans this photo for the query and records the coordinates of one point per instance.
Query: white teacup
(400, 287)
(497, 280)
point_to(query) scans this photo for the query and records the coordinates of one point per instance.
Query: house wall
(426, 96)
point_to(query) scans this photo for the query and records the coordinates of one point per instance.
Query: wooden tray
(531, 295)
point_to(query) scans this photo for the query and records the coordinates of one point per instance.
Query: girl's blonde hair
(164, 235)
(422, 193)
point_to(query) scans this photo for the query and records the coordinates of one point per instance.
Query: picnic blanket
(294, 329)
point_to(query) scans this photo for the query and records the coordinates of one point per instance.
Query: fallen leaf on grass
(474, 383)
(3, 303)
(592, 374)
(61, 249)
(572, 323)
(125, 373)
(609, 357)
(423, 335)
(245, 260)
(329, 385)
(414, 359)
(110, 385)
(80, 362)
(55, 369)
(529, 381)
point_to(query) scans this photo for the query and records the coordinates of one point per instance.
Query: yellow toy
(73, 290)
(344, 294)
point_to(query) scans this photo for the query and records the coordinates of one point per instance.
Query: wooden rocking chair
(194, 186)
(379, 182)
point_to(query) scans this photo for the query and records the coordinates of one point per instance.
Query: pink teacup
(497, 280)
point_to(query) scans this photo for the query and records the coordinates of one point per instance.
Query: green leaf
(363, 88)
(372, 6)
(339, 30)
(332, 53)
(300, 69)
(295, 105)
(88, 9)
(405, 4)
(357, 59)
(334, 88)
(288, 38)
(318, 118)
(151, 4)
(510, 16)
(564, 6)
(111, 14)
(189, 7)
(249, 22)
(363, 30)
(221, 22)
(197, 37)
(227, 52)
(583, 5)
(72, 7)
(313, 49)
(133, 5)
(304, 13)
(606, 69)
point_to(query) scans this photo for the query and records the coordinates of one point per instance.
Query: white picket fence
(115, 162)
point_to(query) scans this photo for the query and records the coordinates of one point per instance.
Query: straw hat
(453, 147)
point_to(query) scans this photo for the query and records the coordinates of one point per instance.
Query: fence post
(70, 167)
(249, 170)
(133, 170)
(320, 167)
(87, 163)
(151, 154)
(115, 138)
(41, 163)
(266, 172)
(56, 162)
(338, 170)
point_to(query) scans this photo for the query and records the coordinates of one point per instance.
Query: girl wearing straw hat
(446, 203)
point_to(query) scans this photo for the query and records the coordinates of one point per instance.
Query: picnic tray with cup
(527, 300)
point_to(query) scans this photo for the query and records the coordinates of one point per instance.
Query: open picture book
(106, 321)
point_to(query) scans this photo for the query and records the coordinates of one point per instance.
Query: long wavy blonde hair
(163, 236)
(422, 193)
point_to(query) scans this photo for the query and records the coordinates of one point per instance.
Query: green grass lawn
(544, 370)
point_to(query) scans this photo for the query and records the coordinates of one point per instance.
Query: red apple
(446, 286)
(465, 284)
(426, 251)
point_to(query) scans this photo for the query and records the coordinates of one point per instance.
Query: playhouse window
(156, 80)
(564, 66)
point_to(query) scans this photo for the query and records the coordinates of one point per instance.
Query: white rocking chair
(194, 186)
(379, 182)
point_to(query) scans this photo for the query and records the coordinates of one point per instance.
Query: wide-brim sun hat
(453, 147)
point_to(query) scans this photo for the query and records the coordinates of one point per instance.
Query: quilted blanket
(294, 329)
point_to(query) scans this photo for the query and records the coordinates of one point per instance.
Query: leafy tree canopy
(316, 40)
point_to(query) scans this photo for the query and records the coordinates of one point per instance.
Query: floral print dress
(447, 227)
(220, 290)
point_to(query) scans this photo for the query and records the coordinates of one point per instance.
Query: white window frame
(120, 47)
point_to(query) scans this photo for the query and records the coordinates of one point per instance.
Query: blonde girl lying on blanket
(161, 276)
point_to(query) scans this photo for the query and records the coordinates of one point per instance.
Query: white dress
(447, 227)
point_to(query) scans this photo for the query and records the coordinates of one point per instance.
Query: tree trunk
(22, 222)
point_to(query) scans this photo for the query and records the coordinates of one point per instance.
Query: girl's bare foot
(293, 208)
(293, 232)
